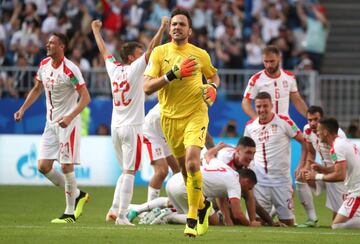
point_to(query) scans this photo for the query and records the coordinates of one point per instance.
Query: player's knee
(162, 173)
(43, 168)
(192, 166)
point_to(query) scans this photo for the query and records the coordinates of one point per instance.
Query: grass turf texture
(26, 212)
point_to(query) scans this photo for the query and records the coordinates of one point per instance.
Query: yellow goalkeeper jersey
(180, 97)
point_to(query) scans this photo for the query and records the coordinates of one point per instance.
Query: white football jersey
(273, 150)
(279, 88)
(219, 180)
(60, 86)
(322, 148)
(226, 155)
(127, 90)
(344, 151)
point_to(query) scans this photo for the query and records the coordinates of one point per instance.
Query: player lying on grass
(220, 182)
(237, 158)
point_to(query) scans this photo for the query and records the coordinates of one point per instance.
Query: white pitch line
(138, 227)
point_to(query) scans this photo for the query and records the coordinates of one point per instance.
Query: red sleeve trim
(340, 161)
(78, 86)
(234, 198)
(297, 133)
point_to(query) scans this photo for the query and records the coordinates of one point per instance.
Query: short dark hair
(63, 38)
(263, 95)
(248, 173)
(271, 49)
(246, 141)
(128, 49)
(330, 124)
(315, 109)
(179, 11)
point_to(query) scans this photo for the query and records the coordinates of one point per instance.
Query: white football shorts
(350, 206)
(61, 144)
(127, 141)
(154, 140)
(279, 196)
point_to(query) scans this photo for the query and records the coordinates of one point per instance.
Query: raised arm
(211, 153)
(157, 38)
(96, 26)
(301, 13)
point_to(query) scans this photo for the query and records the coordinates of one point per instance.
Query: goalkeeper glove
(209, 93)
(186, 68)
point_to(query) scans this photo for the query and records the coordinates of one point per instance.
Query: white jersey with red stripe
(344, 151)
(226, 155)
(322, 148)
(220, 180)
(279, 88)
(60, 86)
(273, 150)
(127, 90)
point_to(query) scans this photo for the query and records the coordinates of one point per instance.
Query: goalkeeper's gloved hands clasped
(209, 93)
(186, 68)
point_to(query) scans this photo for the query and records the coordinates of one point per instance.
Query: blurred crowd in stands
(232, 31)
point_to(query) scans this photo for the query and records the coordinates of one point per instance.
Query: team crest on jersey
(158, 152)
(285, 83)
(274, 128)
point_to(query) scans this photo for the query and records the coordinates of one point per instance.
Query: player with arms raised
(128, 113)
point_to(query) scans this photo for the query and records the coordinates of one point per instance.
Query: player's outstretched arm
(211, 153)
(30, 99)
(96, 27)
(158, 37)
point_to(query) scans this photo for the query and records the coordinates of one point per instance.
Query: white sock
(152, 193)
(160, 202)
(116, 198)
(126, 192)
(306, 199)
(353, 223)
(175, 218)
(70, 192)
(56, 177)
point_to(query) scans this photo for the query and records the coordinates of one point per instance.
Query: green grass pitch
(26, 211)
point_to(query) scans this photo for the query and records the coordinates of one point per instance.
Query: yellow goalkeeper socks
(193, 188)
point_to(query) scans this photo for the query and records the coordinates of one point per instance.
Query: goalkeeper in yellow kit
(176, 70)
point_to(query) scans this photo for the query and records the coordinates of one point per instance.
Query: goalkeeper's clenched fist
(186, 68)
(209, 93)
